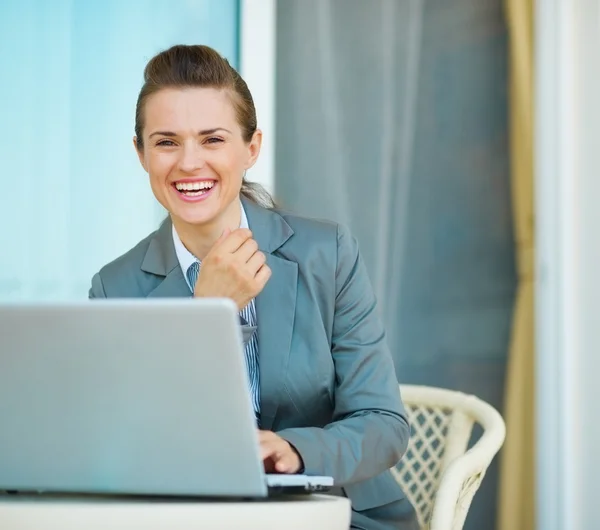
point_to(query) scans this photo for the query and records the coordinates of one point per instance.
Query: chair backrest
(442, 423)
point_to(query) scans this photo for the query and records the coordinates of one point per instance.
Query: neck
(199, 239)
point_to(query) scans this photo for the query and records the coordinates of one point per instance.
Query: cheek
(235, 173)
(227, 167)
(160, 164)
(233, 164)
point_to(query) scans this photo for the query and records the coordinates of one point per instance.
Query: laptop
(132, 397)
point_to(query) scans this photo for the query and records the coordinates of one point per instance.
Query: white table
(312, 512)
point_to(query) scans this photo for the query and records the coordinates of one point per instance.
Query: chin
(198, 214)
(195, 218)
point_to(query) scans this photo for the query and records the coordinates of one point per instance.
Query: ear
(140, 153)
(254, 148)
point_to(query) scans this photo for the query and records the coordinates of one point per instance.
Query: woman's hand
(234, 268)
(278, 455)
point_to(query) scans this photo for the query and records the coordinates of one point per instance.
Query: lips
(192, 190)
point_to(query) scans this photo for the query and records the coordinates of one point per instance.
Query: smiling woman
(194, 151)
(187, 156)
(322, 379)
(196, 135)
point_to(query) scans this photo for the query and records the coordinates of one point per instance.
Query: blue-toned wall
(72, 193)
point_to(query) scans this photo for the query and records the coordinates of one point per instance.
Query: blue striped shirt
(190, 266)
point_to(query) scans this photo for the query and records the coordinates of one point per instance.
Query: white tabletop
(313, 512)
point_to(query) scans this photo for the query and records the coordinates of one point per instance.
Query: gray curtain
(392, 119)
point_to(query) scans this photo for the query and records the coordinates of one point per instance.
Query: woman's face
(194, 153)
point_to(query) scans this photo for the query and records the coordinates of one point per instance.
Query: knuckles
(254, 245)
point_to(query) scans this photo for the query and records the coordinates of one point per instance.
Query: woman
(322, 378)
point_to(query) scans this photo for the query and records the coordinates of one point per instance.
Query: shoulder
(132, 259)
(316, 232)
(318, 242)
(121, 276)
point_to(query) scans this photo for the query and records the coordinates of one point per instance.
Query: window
(73, 195)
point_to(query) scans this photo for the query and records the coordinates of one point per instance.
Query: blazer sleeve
(370, 431)
(97, 288)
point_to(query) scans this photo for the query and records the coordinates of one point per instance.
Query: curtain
(392, 118)
(73, 193)
(517, 471)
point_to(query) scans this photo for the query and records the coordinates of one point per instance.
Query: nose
(191, 158)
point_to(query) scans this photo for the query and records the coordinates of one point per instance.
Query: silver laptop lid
(127, 396)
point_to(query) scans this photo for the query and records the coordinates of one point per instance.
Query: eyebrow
(200, 133)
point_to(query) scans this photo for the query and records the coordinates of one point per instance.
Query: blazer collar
(269, 229)
(161, 258)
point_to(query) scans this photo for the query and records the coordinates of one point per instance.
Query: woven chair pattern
(439, 473)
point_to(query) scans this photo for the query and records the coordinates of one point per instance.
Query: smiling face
(195, 154)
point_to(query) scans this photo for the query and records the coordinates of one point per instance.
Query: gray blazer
(327, 381)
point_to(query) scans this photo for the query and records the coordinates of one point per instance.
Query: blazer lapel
(275, 308)
(161, 260)
(173, 286)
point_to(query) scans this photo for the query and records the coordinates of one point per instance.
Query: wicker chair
(438, 474)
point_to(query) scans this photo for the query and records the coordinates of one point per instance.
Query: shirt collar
(186, 258)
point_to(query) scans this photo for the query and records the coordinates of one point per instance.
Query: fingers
(286, 463)
(262, 276)
(268, 450)
(277, 454)
(246, 251)
(234, 240)
(233, 268)
(223, 236)
(269, 443)
(256, 262)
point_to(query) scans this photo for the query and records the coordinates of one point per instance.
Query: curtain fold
(393, 120)
(516, 508)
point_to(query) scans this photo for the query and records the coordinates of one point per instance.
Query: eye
(214, 140)
(165, 142)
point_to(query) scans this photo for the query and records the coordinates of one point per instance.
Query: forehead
(189, 108)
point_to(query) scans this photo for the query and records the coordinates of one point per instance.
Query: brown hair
(184, 66)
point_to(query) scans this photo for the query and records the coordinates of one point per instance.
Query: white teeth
(194, 186)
